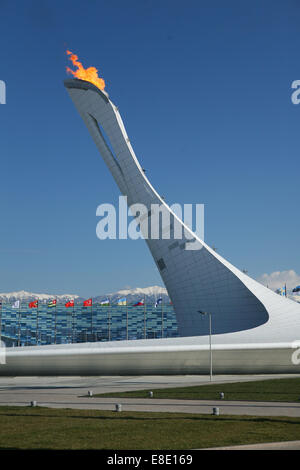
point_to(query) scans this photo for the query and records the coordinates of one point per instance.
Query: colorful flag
(281, 291)
(52, 303)
(16, 304)
(33, 304)
(296, 289)
(122, 301)
(159, 301)
(70, 303)
(104, 302)
(141, 302)
(87, 303)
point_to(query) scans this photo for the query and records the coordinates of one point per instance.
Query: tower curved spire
(196, 279)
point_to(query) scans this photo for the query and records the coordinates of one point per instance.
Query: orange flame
(90, 74)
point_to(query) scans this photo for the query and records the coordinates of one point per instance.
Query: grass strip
(48, 428)
(277, 390)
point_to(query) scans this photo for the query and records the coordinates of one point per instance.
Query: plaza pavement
(72, 392)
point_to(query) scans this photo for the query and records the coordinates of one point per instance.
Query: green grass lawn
(282, 390)
(48, 428)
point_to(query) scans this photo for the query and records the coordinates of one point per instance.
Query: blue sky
(204, 89)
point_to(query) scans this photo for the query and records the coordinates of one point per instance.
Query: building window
(161, 264)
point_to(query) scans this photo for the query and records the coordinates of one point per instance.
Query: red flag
(87, 303)
(33, 304)
(141, 302)
(70, 303)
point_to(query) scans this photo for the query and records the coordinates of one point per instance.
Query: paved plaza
(72, 392)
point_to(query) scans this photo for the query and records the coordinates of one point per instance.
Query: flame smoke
(90, 74)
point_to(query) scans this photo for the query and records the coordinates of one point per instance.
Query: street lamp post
(210, 349)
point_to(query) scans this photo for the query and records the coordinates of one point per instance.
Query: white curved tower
(254, 330)
(243, 310)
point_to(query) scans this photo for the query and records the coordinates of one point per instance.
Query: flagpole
(145, 329)
(126, 321)
(19, 332)
(91, 320)
(26, 322)
(56, 308)
(162, 318)
(55, 320)
(69, 325)
(72, 322)
(37, 323)
(109, 315)
(1, 322)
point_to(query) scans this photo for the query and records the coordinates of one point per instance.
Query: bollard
(216, 411)
(151, 394)
(33, 403)
(222, 395)
(90, 393)
(118, 407)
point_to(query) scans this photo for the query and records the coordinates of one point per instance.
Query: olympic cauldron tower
(243, 310)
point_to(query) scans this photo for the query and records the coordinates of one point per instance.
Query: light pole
(210, 350)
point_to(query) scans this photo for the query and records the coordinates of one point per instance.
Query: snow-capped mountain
(24, 296)
(151, 294)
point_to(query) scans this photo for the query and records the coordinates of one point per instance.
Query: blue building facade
(60, 325)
